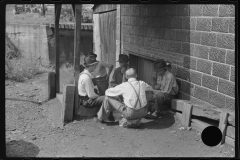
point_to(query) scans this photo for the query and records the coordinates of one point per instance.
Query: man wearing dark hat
(88, 98)
(100, 74)
(167, 86)
(119, 73)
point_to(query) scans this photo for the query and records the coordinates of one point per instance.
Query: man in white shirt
(88, 98)
(134, 104)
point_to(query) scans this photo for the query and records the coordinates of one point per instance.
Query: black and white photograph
(120, 80)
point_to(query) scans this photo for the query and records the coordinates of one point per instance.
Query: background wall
(199, 41)
(34, 41)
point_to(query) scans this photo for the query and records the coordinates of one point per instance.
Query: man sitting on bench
(134, 97)
(88, 98)
(167, 87)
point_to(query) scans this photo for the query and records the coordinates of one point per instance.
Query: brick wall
(199, 40)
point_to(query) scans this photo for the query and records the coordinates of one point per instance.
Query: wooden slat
(198, 110)
(201, 123)
(230, 141)
(231, 132)
(186, 115)
(223, 125)
(77, 35)
(57, 47)
(96, 37)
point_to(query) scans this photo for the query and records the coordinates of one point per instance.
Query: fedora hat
(123, 58)
(159, 64)
(92, 54)
(89, 60)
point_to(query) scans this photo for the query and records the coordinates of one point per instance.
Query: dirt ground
(33, 130)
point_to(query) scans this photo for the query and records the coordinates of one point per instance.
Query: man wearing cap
(134, 105)
(119, 73)
(100, 75)
(167, 86)
(88, 98)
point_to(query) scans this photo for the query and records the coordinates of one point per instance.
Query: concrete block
(231, 25)
(221, 70)
(187, 88)
(230, 59)
(183, 73)
(220, 24)
(190, 62)
(232, 75)
(210, 82)
(183, 10)
(194, 37)
(201, 51)
(187, 49)
(204, 66)
(176, 22)
(165, 45)
(210, 10)
(195, 77)
(226, 87)
(217, 54)
(175, 46)
(182, 35)
(216, 99)
(154, 43)
(226, 41)
(68, 103)
(196, 10)
(159, 33)
(201, 93)
(230, 103)
(209, 39)
(151, 32)
(204, 24)
(227, 11)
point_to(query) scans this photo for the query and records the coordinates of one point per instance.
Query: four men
(125, 93)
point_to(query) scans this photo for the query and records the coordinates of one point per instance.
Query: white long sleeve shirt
(85, 85)
(129, 95)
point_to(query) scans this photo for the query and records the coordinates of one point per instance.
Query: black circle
(211, 136)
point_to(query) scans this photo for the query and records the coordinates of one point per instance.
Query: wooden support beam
(186, 115)
(223, 125)
(51, 85)
(77, 35)
(73, 7)
(57, 17)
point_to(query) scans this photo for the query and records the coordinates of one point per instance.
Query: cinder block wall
(199, 40)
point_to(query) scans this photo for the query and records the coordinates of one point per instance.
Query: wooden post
(77, 34)
(186, 114)
(223, 125)
(51, 86)
(57, 17)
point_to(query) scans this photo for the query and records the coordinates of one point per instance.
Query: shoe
(149, 116)
(111, 117)
(95, 119)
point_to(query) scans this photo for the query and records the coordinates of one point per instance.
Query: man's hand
(123, 70)
(156, 87)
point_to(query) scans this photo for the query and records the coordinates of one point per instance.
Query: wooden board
(77, 35)
(198, 110)
(68, 103)
(223, 125)
(201, 123)
(230, 141)
(197, 127)
(51, 85)
(231, 132)
(57, 47)
(96, 37)
(107, 29)
(186, 115)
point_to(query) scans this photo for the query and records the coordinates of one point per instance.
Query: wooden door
(107, 28)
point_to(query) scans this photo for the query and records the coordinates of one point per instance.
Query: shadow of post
(20, 148)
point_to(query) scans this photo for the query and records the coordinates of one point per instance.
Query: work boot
(111, 117)
(156, 114)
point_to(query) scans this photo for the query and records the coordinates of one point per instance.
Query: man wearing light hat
(166, 83)
(119, 73)
(88, 98)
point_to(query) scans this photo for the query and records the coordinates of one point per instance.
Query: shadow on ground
(20, 148)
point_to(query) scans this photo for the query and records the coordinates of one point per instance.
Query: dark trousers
(91, 103)
(163, 101)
